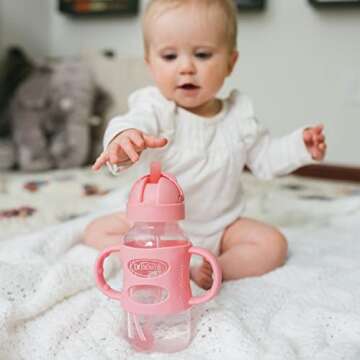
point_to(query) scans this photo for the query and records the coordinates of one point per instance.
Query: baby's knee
(106, 230)
(93, 231)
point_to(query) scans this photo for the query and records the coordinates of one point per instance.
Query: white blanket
(308, 309)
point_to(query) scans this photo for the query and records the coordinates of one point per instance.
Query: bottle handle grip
(217, 277)
(99, 273)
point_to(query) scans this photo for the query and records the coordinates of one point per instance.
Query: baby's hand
(128, 145)
(314, 140)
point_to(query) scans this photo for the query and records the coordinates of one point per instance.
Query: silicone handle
(99, 273)
(216, 276)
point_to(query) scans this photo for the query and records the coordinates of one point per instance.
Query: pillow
(118, 77)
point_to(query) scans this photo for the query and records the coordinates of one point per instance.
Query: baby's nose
(187, 67)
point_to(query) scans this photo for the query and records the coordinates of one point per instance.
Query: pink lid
(156, 197)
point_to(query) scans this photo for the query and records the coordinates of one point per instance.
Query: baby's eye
(203, 55)
(169, 57)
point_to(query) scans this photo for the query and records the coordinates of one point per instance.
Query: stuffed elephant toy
(51, 114)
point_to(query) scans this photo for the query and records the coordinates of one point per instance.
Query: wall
(70, 34)
(26, 23)
(301, 65)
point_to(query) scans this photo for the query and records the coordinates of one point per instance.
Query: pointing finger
(137, 139)
(154, 142)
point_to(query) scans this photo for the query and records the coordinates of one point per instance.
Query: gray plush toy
(51, 116)
(28, 112)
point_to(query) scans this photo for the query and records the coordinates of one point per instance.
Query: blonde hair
(156, 7)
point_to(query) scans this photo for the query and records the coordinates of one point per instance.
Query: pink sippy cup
(155, 256)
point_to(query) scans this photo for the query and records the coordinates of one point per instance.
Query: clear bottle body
(155, 333)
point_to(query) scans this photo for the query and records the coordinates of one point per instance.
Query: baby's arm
(268, 157)
(127, 147)
(126, 136)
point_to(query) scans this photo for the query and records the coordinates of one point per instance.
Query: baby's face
(189, 57)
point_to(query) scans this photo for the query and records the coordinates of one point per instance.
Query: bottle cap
(156, 197)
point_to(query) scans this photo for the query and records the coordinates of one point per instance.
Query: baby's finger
(128, 148)
(154, 142)
(100, 161)
(316, 154)
(319, 128)
(319, 139)
(137, 139)
(307, 136)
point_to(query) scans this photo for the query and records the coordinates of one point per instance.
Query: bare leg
(248, 248)
(106, 230)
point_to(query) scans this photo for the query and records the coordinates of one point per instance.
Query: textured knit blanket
(51, 309)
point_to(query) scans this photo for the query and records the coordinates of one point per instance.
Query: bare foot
(202, 275)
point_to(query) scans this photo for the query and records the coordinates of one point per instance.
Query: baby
(205, 141)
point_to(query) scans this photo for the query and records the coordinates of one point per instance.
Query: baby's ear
(232, 61)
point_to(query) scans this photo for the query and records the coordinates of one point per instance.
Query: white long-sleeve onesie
(208, 155)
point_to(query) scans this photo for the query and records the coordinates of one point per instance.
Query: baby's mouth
(188, 86)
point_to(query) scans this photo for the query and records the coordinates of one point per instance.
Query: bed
(51, 309)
